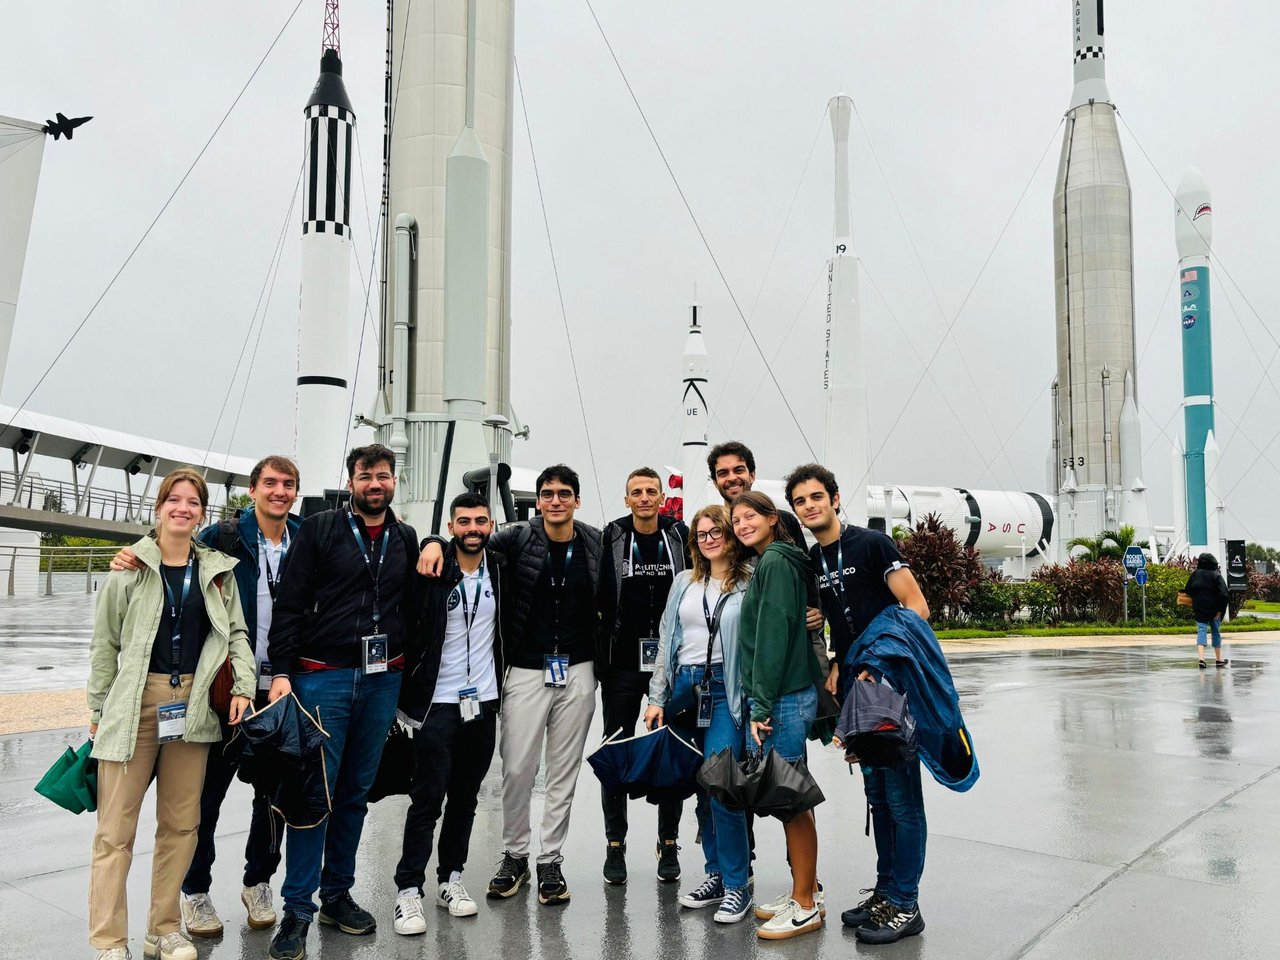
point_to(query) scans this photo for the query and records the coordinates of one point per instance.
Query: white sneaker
(113, 953)
(791, 921)
(170, 946)
(767, 911)
(258, 903)
(199, 917)
(454, 896)
(409, 918)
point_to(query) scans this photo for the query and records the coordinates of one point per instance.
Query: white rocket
(323, 355)
(697, 418)
(1097, 450)
(844, 373)
(21, 153)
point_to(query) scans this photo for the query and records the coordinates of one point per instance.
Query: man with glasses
(548, 623)
(642, 553)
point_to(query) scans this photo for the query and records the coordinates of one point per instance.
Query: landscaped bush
(946, 569)
(1085, 590)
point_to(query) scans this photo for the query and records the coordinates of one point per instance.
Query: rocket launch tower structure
(1095, 461)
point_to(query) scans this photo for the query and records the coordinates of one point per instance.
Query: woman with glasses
(697, 684)
(781, 676)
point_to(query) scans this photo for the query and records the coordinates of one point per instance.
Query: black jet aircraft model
(63, 126)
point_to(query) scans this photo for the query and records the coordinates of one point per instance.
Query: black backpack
(875, 726)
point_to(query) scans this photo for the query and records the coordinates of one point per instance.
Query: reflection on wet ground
(1127, 808)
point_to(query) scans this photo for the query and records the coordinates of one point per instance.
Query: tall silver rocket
(324, 357)
(1096, 446)
(695, 430)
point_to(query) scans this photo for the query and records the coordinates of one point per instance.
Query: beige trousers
(179, 769)
(530, 711)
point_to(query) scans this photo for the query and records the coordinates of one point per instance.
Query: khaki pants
(179, 769)
(531, 711)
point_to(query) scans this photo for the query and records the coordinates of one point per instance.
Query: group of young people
(490, 639)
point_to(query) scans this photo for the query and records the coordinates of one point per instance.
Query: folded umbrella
(280, 750)
(876, 727)
(768, 786)
(72, 781)
(395, 769)
(657, 764)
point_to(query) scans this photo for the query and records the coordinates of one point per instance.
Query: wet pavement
(1128, 808)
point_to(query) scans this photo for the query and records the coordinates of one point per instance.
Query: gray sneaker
(199, 916)
(258, 904)
(113, 953)
(168, 946)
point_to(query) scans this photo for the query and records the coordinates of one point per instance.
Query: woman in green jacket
(780, 675)
(160, 637)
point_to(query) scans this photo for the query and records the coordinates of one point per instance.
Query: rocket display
(1097, 469)
(1193, 231)
(21, 153)
(323, 355)
(844, 371)
(697, 419)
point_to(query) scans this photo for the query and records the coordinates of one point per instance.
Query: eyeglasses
(548, 495)
(715, 533)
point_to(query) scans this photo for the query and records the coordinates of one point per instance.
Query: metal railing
(57, 496)
(45, 561)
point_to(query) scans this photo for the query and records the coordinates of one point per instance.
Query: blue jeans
(897, 819)
(356, 710)
(1202, 630)
(724, 831)
(793, 715)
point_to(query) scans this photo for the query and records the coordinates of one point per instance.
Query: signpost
(1140, 578)
(1135, 565)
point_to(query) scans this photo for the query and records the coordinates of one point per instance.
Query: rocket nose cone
(1192, 185)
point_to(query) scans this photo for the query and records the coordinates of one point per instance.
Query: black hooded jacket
(1207, 589)
(613, 545)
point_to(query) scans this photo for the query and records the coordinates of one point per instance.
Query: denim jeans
(793, 715)
(356, 709)
(898, 822)
(724, 831)
(1202, 629)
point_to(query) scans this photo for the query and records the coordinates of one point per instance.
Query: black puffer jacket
(1207, 589)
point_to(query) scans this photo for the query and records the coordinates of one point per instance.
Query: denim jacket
(670, 635)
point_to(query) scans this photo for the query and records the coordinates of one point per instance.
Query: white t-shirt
(268, 552)
(693, 625)
(453, 657)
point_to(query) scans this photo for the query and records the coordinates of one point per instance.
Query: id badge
(375, 653)
(705, 703)
(172, 718)
(469, 704)
(649, 654)
(264, 677)
(555, 671)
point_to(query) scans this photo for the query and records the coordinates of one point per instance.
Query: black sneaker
(615, 862)
(345, 914)
(861, 914)
(512, 874)
(889, 923)
(668, 861)
(551, 886)
(706, 894)
(290, 941)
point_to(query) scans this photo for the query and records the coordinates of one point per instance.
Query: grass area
(1262, 606)
(1243, 625)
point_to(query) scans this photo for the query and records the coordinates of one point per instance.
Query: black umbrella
(768, 786)
(876, 727)
(395, 769)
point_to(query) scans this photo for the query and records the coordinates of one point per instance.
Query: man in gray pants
(548, 637)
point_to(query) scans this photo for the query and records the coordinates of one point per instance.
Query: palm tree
(1108, 544)
(1094, 548)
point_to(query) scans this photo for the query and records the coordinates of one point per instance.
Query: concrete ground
(1127, 808)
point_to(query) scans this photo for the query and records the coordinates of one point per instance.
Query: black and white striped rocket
(323, 355)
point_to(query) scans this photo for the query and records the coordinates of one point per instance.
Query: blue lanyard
(273, 580)
(469, 617)
(175, 619)
(368, 561)
(836, 583)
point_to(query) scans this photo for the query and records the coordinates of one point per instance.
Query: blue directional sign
(1140, 578)
(1134, 559)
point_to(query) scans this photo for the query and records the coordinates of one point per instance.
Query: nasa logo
(1188, 321)
(1203, 210)
(454, 599)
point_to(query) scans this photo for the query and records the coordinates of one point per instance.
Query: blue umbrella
(657, 764)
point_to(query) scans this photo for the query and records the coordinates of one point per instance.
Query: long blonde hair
(739, 565)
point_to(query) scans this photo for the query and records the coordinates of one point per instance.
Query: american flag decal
(1190, 276)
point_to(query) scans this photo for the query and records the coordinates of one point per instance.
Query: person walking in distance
(642, 553)
(1209, 601)
(336, 642)
(450, 697)
(549, 633)
(160, 635)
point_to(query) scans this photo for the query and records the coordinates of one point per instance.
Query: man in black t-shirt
(860, 574)
(642, 552)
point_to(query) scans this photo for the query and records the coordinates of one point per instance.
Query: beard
(365, 506)
(469, 544)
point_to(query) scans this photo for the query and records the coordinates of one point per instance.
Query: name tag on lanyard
(171, 721)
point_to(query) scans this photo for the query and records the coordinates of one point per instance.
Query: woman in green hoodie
(160, 637)
(780, 675)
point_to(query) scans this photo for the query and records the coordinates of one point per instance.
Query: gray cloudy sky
(959, 103)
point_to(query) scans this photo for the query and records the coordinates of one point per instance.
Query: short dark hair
(811, 471)
(274, 462)
(370, 455)
(730, 448)
(562, 472)
(644, 472)
(467, 501)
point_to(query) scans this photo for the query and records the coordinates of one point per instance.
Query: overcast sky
(959, 108)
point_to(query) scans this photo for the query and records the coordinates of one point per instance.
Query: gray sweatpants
(530, 710)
